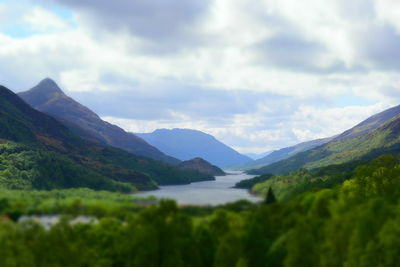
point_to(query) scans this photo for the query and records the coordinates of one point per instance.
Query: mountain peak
(40, 94)
(48, 85)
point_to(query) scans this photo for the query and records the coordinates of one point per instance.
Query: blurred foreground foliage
(352, 223)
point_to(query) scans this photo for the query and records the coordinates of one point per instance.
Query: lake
(215, 192)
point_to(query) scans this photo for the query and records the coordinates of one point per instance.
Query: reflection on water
(215, 192)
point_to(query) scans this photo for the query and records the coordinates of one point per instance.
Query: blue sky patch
(350, 99)
(15, 27)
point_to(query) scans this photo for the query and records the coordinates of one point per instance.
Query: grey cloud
(380, 47)
(391, 92)
(291, 51)
(357, 10)
(217, 107)
(157, 102)
(30, 66)
(163, 25)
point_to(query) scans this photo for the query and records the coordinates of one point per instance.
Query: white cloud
(388, 11)
(41, 20)
(246, 132)
(275, 100)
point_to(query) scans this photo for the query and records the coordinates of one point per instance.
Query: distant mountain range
(186, 144)
(47, 97)
(256, 156)
(376, 135)
(82, 138)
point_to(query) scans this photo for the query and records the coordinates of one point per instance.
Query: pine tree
(270, 198)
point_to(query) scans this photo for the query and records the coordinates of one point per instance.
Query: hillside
(369, 124)
(34, 132)
(47, 97)
(186, 144)
(285, 153)
(381, 138)
(202, 166)
(287, 186)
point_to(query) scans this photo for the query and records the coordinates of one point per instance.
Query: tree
(270, 198)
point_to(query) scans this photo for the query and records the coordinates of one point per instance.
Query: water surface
(215, 192)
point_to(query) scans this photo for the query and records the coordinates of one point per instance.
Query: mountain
(47, 97)
(377, 135)
(186, 144)
(201, 166)
(285, 153)
(369, 124)
(39, 152)
(256, 156)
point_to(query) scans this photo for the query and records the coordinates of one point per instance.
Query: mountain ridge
(379, 134)
(48, 97)
(285, 153)
(186, 144)
(38, 133)
(373, 122)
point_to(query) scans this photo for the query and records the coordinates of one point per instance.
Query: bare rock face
(202, 166)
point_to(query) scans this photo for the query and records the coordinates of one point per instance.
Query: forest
(350, 223)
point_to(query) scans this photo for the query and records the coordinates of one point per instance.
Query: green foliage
(289, 185)
(143, 172)
(249, 183)
(352, 224)
(67, 202)
(23, 167)
(22, 124)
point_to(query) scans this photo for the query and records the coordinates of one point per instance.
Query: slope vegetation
(377, 141)
(39, 136)
(285, 153)
(201, 166)
(47, 97)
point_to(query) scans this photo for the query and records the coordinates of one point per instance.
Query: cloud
(294, 52)
(258, 132)
(165, 100)
(392, 92)
(161, 26)
(259, 75)
(379, 47)
(41, 20)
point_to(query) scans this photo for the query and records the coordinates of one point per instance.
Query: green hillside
(284, 153)
(355, 223)
(43, 134)
(381, 140)
(287, 186)
(23, 167)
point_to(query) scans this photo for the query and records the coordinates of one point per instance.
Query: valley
(215, 133)
(67, 180)
(216, 192)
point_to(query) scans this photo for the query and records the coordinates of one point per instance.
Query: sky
(258, 75)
